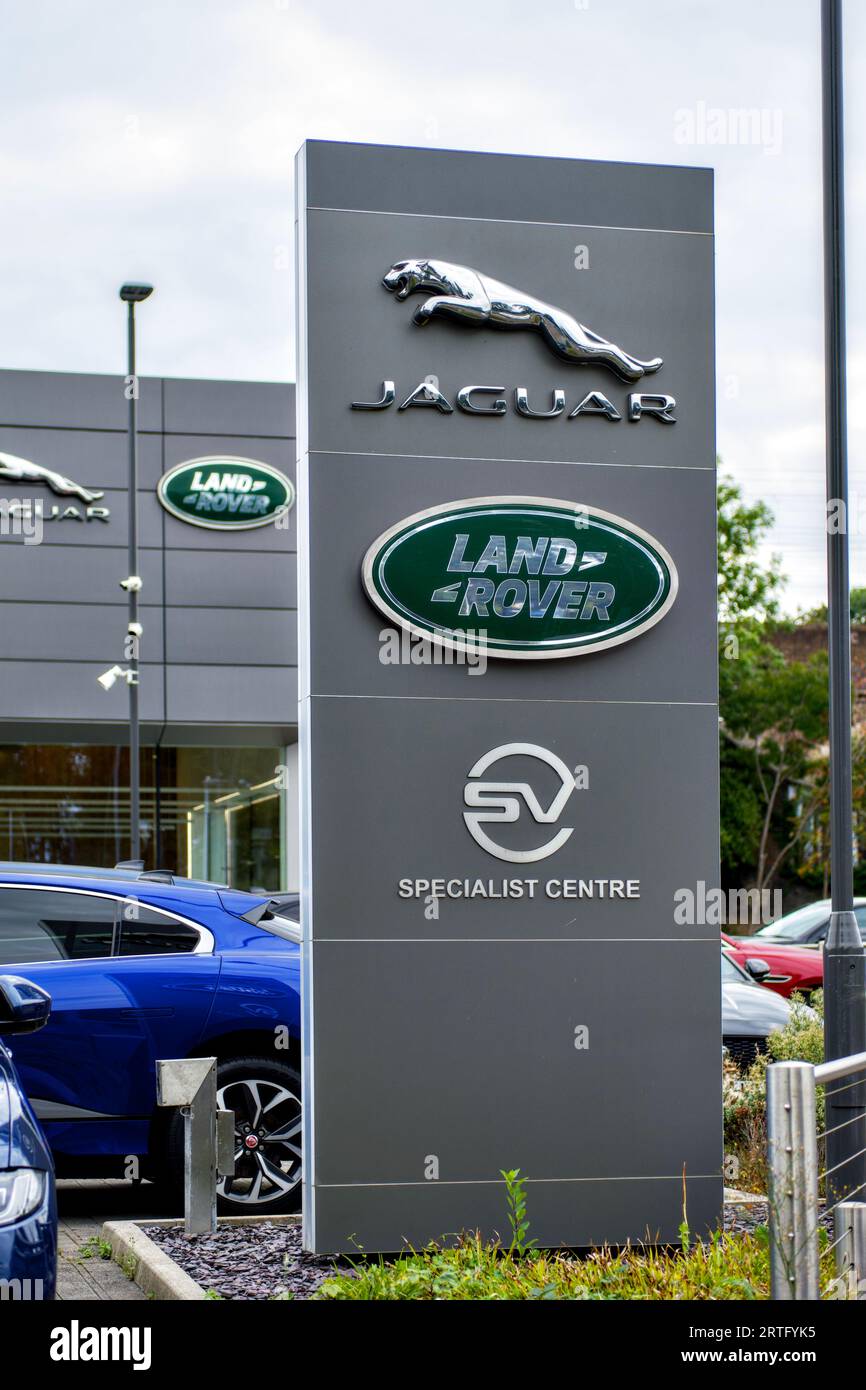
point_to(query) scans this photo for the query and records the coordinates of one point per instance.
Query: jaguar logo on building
(468, 297)
(471, 298)
(225, 493)
(18, 470)
(500, 802)
(520, 577)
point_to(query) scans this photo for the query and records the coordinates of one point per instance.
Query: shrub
(744, 1095)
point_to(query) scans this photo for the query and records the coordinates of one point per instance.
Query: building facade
(218, 683)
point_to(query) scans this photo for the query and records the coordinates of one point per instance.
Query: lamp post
(844, 961)
(132, 295)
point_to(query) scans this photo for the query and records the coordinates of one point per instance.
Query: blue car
(28, 1211)
(141, 966)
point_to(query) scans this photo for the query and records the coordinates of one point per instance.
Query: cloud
(158, 141)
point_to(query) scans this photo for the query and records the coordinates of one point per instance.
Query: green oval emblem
(224, 493)
(521, 577)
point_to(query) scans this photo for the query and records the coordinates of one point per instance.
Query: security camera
(116, 673)
(108, 678)
(135, 629)
(132, 584)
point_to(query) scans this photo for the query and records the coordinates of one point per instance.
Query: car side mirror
(24, 1007)
(758, 969)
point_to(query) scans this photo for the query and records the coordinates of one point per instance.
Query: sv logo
(501, 801)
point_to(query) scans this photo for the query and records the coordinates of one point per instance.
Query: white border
(226, 525)
(579, 508)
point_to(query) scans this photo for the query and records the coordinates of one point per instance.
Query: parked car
(749, 1013)
(28, 1211)
(142, 966)
(808, 925)
(784, 969)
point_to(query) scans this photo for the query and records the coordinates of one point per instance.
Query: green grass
(94, 1247)
(723, 1267)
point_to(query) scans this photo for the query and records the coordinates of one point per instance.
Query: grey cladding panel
(225, 408)
(73, 400)
(69, 632)
(74, 574)
(230, 636)
(232, 694)
(252, 580)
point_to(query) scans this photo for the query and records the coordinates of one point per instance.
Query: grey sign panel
(400, 835)
(506, 188)
(491, 860)
(676, 660)
(506, 1015)
(624, 267)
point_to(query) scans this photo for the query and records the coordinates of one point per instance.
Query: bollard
(190, 1085)
(793, 1181)
(850, 1240)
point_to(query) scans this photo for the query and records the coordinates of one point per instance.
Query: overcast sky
(156, 140)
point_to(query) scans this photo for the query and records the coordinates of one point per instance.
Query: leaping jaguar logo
(470, 297)
(16, 470)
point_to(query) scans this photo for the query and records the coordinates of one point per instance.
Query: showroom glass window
(214, 813)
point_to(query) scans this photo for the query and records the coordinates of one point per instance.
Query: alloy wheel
(267, 1141)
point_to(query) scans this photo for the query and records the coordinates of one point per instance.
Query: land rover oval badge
(520, 577)
(224, 493)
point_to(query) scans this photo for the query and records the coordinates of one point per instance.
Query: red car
(792, 968)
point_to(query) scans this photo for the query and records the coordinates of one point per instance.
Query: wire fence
(797, 1209)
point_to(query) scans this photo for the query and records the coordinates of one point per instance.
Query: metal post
(199, 1169)
(209, 1135)
(850, 1241)
(793, 1181)
(844, 960)
(132, 593)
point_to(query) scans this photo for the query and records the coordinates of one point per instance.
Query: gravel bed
(740, 1219)
(261, 1261)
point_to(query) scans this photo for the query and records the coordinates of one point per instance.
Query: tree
(748, 592)
(777, 712)
(773, 710)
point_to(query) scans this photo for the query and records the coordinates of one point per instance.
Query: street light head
(134, 294)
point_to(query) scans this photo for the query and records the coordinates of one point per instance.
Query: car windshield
(732, 974)
(797, 924)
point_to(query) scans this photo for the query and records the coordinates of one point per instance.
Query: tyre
(265, 1096)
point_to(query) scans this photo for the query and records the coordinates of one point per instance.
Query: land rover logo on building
(520, 577)
(226, 494)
